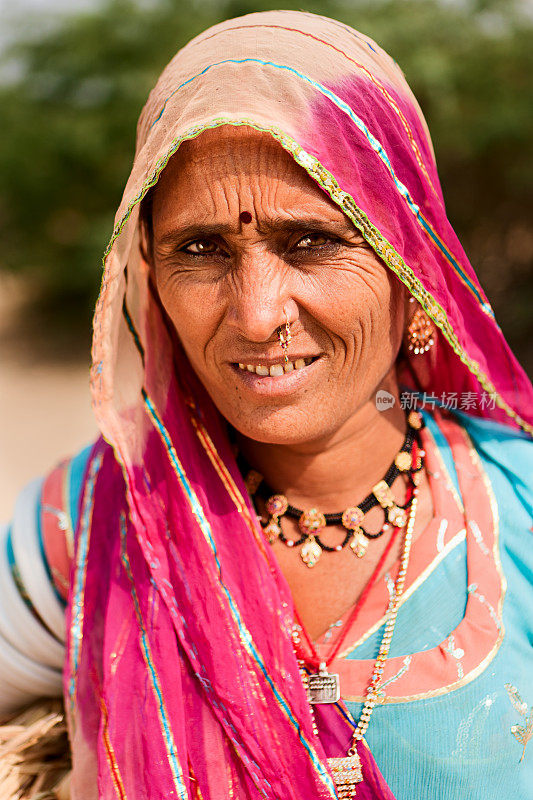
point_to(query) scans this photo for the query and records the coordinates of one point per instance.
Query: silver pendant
(347, 774)
(323, 687)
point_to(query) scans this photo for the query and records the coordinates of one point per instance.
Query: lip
(277, 385)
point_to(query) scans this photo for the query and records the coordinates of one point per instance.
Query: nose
(260, 298)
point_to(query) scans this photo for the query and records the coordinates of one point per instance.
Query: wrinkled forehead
(229, 169)
(226, 138)
(233, 154)
(218, 152)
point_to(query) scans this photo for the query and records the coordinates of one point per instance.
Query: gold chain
(392, 612)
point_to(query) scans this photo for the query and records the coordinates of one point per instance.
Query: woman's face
(242, 240)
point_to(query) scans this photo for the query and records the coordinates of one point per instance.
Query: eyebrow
(274, 225)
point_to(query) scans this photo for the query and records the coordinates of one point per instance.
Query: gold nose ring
(285, 337)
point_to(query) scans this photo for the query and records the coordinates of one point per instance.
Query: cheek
(181, 303)
(363, 304)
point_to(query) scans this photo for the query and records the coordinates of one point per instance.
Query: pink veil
(181, 679)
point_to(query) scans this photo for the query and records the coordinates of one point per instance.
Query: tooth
(288, 367)
(299, 363)
(250, 368)
(308, 361)
(276, 369)
(241, 366)
(260, 370)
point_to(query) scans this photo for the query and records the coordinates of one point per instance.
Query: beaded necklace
(312, 522)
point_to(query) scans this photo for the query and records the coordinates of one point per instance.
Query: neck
(339, 470)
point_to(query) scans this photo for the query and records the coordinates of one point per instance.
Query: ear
(146, 242)
(146, 230)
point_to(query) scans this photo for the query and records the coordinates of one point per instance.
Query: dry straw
(34, 754)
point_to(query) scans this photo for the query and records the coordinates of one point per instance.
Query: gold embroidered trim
(424, 575)
(451, 687)
(372, 235)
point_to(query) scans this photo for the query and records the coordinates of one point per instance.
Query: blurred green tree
(71, 97)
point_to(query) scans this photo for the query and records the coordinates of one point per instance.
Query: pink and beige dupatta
(180, 679)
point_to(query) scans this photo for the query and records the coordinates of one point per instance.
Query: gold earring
(285, 337)
(420, 333)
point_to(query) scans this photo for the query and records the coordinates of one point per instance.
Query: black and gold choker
(408, 461)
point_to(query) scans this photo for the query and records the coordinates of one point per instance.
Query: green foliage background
(70, 98)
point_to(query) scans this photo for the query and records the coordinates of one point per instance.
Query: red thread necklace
(323, 686)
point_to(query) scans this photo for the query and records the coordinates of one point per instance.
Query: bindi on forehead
(245, 217)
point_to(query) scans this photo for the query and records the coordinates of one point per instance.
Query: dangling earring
(420, 333)
(285, 337)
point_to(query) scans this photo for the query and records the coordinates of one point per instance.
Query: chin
(283, 427)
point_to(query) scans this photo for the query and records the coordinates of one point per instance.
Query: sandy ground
(45, 409)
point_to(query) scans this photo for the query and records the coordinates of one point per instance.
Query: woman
(280, 278)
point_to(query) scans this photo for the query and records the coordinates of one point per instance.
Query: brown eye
(312, 240)
(201, 247)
